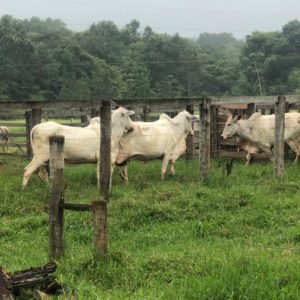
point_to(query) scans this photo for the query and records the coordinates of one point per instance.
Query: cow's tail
(298, 120)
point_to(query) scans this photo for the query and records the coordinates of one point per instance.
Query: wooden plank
(240, 154)
(77, 207)
(12, 124)
(17, 134)
(234, 105)
(179, 103)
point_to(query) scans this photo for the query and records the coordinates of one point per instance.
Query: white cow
(259, 131)
(162, 139)
(81, 144)
(4, 138)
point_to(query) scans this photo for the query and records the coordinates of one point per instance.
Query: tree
(17, 60)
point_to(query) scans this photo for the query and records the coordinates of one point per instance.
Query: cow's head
(121, 120)
(231, 127)
(188, 121)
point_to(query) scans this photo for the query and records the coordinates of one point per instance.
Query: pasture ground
(235, 237)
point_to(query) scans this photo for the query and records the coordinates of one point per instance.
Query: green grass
(235, 237)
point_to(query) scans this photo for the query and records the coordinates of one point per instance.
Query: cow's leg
(295, 147)
(164, 166)
(124, 173)
(172, 167)
(249, 158)
(29, 169)
(43, 174)
(268, 151)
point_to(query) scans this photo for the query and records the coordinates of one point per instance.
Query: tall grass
(231, 237)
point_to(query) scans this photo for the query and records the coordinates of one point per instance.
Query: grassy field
(235, 237)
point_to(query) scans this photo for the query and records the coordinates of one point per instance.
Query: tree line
(44, 60)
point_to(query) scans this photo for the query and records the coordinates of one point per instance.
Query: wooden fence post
(214, 132)
(190, 139)
(32, 118)
(28, 123)
(280, 108)
(146, 112)
(93, 112)
(83, 117)
(36, 116)
(105, 149)
(100, 226)
(251, 109)
(204, 137)
(56, 220)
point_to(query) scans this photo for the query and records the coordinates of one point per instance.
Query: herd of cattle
(163, 139)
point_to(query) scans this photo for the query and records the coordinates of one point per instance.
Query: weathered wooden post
(214, 132)
(36, 116)
(146, 112)
(280, 108)
(100, 223)
(100, 207)
(56, 217)
(28, 124)
(93, 112)
(251, 109)
(204, 137)
(83, 116)
(190, 139)
(105, 149)
(32, 118)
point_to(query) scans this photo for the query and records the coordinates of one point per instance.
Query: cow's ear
(236, 118)
(191, 118)
(130, 112)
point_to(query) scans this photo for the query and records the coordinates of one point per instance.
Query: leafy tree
(136, 76)
(103, 40)
(17, 60)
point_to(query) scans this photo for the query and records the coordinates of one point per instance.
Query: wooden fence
(21, 117)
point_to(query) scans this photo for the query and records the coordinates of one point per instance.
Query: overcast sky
(188, 17)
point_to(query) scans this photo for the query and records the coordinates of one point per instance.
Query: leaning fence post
(190, 139)
(100, 225)
(56, 217)
(280, 108)
(204, 137)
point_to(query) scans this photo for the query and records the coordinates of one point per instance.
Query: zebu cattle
(81, 144)
(4, 138)
(259, 131)
(162, 139)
